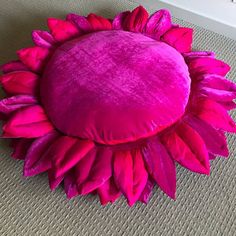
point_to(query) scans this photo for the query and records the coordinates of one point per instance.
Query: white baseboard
(216, 15)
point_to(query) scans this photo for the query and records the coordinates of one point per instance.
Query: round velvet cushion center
(114, 87)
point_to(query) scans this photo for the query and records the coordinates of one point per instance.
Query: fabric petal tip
(144, 201)
(20, 83)
(147, 191)
(53, 186)
(132, 199)
(207, 65)
(231, 127)
(141, 9)
(118, 21)
(198, 54)
(51, 21)
(98, 22)
(158, 24)
(58, 173)
(226, 67)
(71, 192)
(54, 182)
(17, 157)
(131, 202)
(28, 172)
(204, 171)
(20, 147)
(84, 190)
(180, 38)
(89, 186)
(62, 30)
(225, 150)
(6, 134)
(80, 22)
(225, 154)
(104, 202)
(29, 122)
(70, 195)
(43, 38)
(164, 10)
(34, 57)
(14, 103)
(12, 66)
(136, 20)
(171, 194)
(33, 169)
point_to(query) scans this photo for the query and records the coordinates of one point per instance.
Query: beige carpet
(204, 205)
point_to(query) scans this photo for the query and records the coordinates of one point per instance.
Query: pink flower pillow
(109, 106)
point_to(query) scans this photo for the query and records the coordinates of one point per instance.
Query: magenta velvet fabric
(114, 86)
(119, 92)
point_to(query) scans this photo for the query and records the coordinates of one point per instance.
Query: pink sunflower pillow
(109, 106)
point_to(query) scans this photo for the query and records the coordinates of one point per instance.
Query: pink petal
(58, 150)
(21, 82)
(67, 152)
(188, 56)
(160, 166)
(217, 94)
(34, 57)
(70, 185)
(123, 173)
(13, 66)
(83, 167)
(212, 157)
(188, 149)
(54, 182)
(195, 143)
(21, 147)
(218, 88)
(100, 171)
(12, 104)
(179, 38)
(43, 39)
(214, 114)
(80, 22)
(145, 195)
(108, 192)
(130, 174)
(215, 141)
(158, 24)
(140, 176)
(173, 25)
(119, 20)
(62, 30)
(99, 22)
(218, 82)
(207, 65)
(29, 122)
(227, 105)
(36, 161)
(136, 20)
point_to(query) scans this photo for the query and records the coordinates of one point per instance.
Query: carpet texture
(204, 205)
